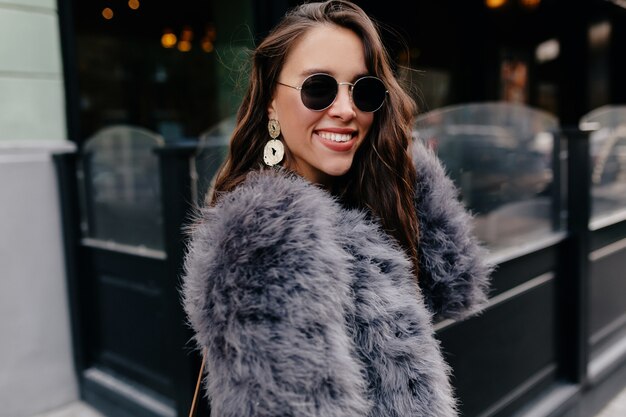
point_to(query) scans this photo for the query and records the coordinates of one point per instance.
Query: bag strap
(194, 402)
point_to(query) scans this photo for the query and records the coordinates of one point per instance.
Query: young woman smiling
(330, 239)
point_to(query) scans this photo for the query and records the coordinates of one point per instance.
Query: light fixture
(207, 45)
(107, 13)
(133, 4)
(530, 4)
(186, 35)
(208, 40)
(168, 39)
(211, 33)
(184, 46)
(547, 51)
(494, 4)
(599, 34)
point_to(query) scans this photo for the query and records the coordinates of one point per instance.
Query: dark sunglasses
(319, 91)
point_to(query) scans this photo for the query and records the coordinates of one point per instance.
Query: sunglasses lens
(369, 94)
(319, 91)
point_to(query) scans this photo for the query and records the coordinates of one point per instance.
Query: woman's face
(323, 143)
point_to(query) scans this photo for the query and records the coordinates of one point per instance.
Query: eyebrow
(312, 71)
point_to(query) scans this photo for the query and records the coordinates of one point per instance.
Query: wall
(36, 369)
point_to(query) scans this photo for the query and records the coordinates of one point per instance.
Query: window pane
(121, 190)
(155, 66)
(608, 162)
(500, 156)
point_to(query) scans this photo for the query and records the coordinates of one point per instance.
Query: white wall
(36, 368)
(31, 80)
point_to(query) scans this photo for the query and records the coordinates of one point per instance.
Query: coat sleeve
(266, 307)
(454, 271)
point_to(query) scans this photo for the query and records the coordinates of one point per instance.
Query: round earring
(274, 150)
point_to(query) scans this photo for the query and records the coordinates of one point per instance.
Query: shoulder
(266, 205)
(265, 289)
(270, 191)
(270, 225)
(274, 233)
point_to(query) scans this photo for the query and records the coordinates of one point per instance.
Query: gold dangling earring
(274, 149)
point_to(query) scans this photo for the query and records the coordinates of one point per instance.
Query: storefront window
(120, 189)
(501, 157)
(608, 163)
(169, 67)
(211, 153)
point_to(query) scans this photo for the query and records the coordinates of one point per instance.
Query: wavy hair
(382, 176)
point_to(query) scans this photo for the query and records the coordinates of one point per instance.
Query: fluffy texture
(453, 268)
(308, 309)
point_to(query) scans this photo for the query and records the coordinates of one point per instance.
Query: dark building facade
(178, 69)
(151, 91)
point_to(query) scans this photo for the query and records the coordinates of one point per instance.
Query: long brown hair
(382, 175)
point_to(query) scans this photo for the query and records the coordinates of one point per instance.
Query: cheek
(366, 120)
(295, 119)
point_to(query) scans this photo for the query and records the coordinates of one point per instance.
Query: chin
(337, 171)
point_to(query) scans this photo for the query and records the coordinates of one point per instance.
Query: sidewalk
(615, 408)
(77, 409)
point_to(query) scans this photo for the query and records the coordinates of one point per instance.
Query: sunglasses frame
(299, 88)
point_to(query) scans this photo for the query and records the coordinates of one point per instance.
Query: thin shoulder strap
(194, 402)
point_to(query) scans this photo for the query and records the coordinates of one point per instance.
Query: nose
(343, 107)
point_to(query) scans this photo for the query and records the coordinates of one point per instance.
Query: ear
(272, 113)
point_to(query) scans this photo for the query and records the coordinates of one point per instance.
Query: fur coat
(309, 309)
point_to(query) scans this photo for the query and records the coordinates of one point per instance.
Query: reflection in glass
(120, 187)
(211, 153)
(608, 162)
(157, 64)
(501, 157)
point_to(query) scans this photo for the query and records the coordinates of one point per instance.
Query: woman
(302, 280)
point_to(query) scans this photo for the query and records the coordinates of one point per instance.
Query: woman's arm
(454, 272)
(266, 291)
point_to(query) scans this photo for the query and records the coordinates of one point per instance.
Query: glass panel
(608, 161)
(121, 188)
(173, 67)
(212, 151)
(501, 157)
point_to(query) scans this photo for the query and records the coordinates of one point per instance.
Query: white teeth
(336, 137)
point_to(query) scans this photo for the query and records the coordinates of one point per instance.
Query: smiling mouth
(336, 137)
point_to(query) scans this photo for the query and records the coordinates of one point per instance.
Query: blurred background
(116, 114)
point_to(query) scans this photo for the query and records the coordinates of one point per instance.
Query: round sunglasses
(319, 91)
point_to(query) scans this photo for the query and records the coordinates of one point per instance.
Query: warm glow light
(107, 13)
(168, 40)
(186, 34)
(494, 4)
(184, 46)
(133, 4)
(211, 33)
(207, 45)
(530, 4)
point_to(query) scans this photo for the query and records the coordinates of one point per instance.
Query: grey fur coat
(309, 309)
